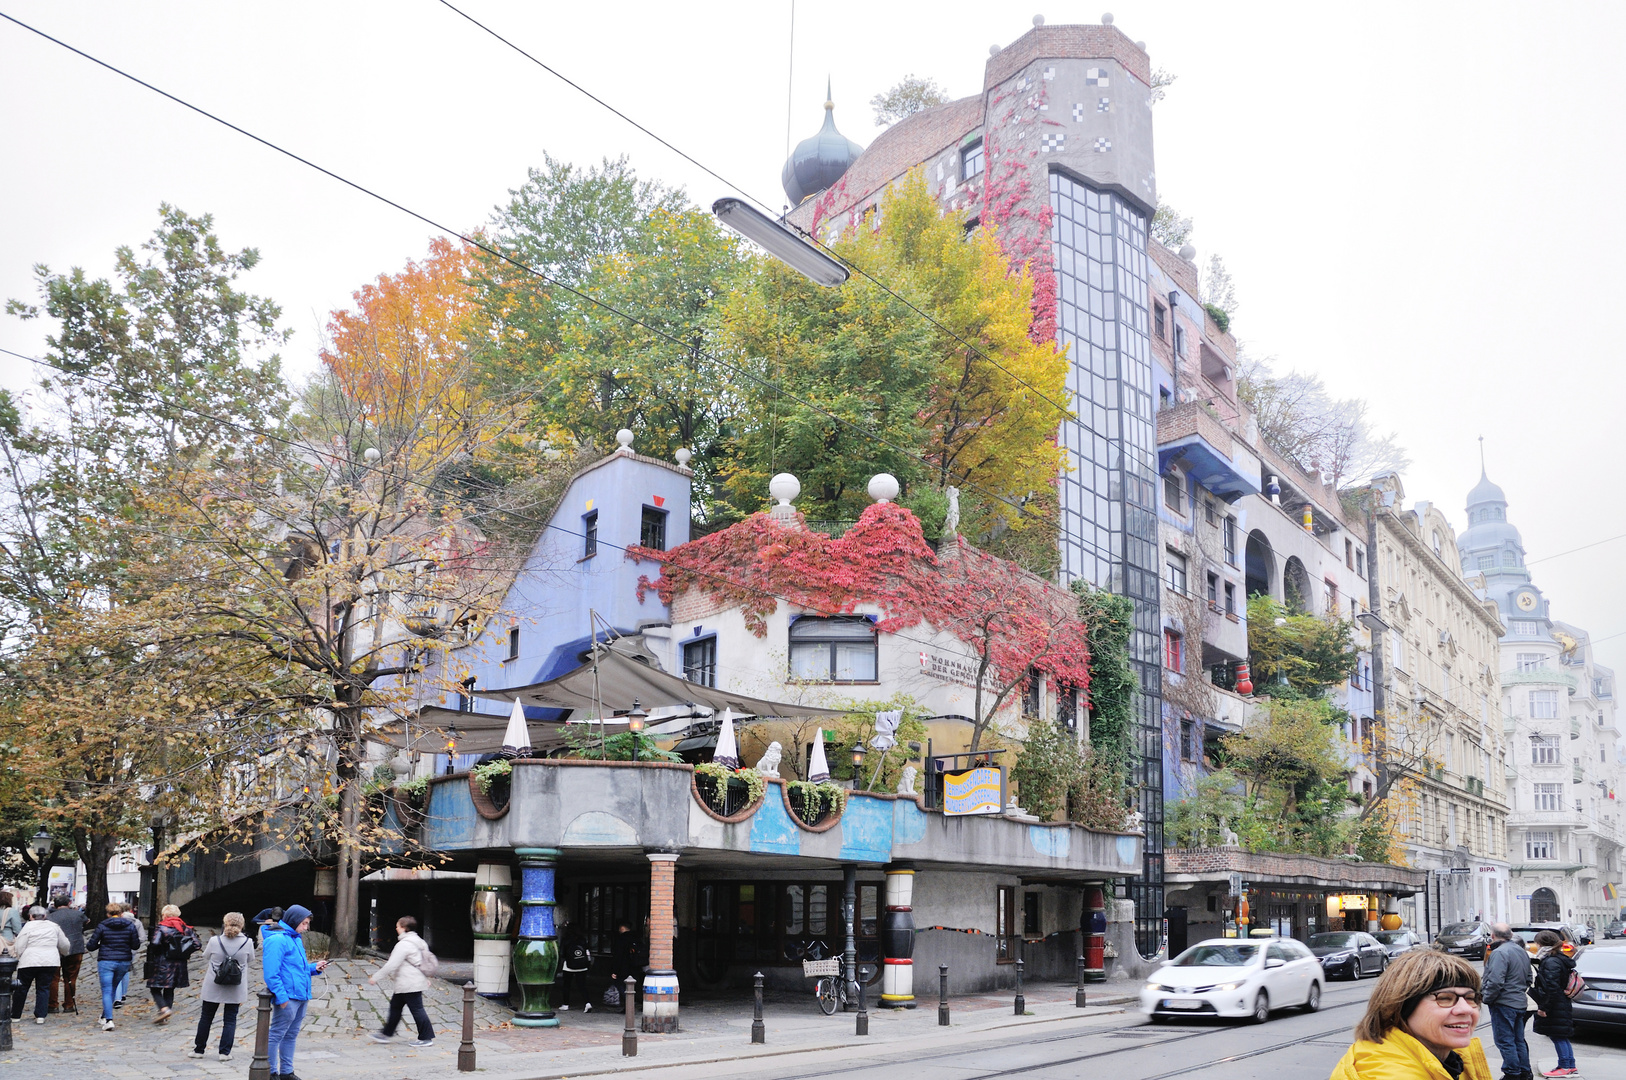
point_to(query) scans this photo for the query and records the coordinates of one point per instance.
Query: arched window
(840, 649)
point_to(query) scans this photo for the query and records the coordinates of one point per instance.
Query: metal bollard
(629, 1037)
(260, 1067)
(1021, 1002)
(863, 1013)
(942, 995)
(1078, 996)
(759, 1034)
(8, 967)
(465, 1049)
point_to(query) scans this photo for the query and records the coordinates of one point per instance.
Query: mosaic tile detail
(1054, 140)
(1103, 144)
(1078, 112)
(1049, 73)
(1104, 105)
(1095, 77)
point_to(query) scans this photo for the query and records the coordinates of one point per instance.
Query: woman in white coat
(409, 966)
(226, 961)
(39, 948)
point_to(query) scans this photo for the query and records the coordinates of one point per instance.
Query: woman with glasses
(1419, 1023)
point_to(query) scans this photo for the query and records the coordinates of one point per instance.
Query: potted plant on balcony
(411, 801)
(494, 779)
(728, 793)
(815, 804)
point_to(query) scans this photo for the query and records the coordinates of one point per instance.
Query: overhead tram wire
(539, 274)
(364, 467)
(1066, 412)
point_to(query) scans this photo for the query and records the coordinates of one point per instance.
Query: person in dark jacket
(1505, 983)
(72, 922)
(115, 943)
(1555, 1015)
(626, 956)
(173, 942)
(575, 959)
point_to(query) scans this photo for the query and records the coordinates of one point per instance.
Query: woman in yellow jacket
(1419, 1023)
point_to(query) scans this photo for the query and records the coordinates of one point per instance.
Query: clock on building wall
(1526, 599)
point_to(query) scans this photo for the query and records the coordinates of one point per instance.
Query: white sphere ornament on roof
(624, 437)
(993, 50)
(371, 455)
(683, 455)
(1106, 20)
(883, 487)
(1038, 20)
(1188, 252)
(784, 487)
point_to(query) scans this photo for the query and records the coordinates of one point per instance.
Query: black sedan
(1615, 929)
(1603, 1001)
(1470, 939)
(1349, 953)
(1395, 942)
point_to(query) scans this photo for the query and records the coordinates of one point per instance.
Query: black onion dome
(820, 161)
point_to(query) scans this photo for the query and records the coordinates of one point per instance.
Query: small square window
(700, 661)
(1210, 512)
(513, 643)
(1174, 493)
(1179, 340)
(590, 535)
(1187, 752)
(971, 161)
(1213, 591)
(1174, 651)
(1230, 598)
(652, 529)
(1160, 318)
(1176, 564)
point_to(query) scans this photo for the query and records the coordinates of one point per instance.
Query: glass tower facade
(1109, 498)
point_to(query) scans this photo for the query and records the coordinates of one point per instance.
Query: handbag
(1575, 987)
(612, 995)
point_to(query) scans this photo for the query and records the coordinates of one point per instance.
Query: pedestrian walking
(123, 987)
(288, 972)
(173, 943)
(626, 956)
(39, 948)
(270, 916)
(115, 941)
(1419, 1023)
(575, 958)
(11, 920)
(1505, 988)
(1555, 1015)
(66, 985)
(226, 962)
(409, 969)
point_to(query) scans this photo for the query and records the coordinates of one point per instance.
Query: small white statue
(951, 519)
(906, 782)
(1228, 835)
(768, 763)
(1136, 822)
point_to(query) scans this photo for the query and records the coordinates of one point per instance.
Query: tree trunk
(347, 893)
(97, 851)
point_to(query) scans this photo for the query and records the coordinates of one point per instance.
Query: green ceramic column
(536, 953)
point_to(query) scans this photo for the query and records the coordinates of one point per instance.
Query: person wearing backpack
(410, 967)
(173, 943)
(574, 961)
(116, 940)
(1555, 1016)
(226, 960)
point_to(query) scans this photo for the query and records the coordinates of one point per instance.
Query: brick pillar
(661, 983)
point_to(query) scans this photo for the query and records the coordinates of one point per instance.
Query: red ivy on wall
(1014, 621)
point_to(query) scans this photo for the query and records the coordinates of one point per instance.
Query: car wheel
(1313, 1002)
(1355, 969)
(1261, 1008)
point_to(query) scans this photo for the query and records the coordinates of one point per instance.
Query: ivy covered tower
(1056, 151)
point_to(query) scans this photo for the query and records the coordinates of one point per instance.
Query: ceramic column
(898, 938)
(491, 913)
(661, 983)
(536, 953)
(1095, 933)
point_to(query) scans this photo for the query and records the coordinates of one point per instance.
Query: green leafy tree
(1295, 655)
(913, 94)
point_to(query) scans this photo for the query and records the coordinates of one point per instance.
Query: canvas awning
(623, 680)
(477, 733)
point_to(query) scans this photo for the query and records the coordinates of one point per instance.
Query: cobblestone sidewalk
(333, 1045)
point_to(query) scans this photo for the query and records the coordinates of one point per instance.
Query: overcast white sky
(1419, 202)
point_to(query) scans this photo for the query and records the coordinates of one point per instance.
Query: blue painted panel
(908, 822)
(536, 921)
(536, 883)
(1051, 843)
(450, 822)
(866, 830)
(392, 841)
(772, 830)
(1126, 850)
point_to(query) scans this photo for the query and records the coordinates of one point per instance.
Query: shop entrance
(1543, 906)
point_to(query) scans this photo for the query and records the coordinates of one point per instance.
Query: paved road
(1292, 1046)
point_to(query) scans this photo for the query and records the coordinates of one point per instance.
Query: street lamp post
(43, 847)
(635, 724)
(858, 762)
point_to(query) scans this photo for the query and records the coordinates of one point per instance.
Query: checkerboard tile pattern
(1095, 76)
(1054, 140)
(1103, 144)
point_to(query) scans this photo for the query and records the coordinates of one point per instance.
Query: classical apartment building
(1558, 713)
(1439, 735)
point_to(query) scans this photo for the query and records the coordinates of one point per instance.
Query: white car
(1241, 977)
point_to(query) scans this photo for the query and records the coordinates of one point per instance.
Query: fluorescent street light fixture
(779, 242)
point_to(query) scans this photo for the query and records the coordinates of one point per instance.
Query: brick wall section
(1216, 862)
(1192, 419)
(662, 916)
(1063, 42)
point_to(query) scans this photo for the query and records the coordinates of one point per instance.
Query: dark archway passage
(1260, 565)
(1543, 906)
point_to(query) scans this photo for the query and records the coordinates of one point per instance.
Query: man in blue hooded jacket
(288, 974)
